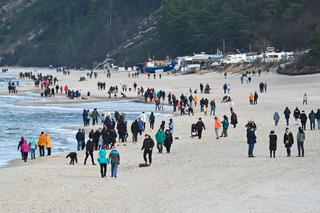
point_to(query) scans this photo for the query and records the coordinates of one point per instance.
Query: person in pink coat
(25, 148)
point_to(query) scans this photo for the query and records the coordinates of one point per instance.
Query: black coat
(234, 119)
(303, 117)
(148, 144)
(287, 113)
(135, 127)
(168, 140)
(90, 146)
(288, 140)
(273, 142)
(200, 126)
(96, 136)
(296, 113)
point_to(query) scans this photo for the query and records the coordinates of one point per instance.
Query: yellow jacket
(48, 141)
(195, 99)
(42, 140)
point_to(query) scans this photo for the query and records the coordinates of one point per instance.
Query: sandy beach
(206, 175)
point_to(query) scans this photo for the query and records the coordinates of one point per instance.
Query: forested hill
(81, 32)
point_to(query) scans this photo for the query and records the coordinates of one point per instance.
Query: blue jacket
(225, 124)
(102, 156)
(251, 137)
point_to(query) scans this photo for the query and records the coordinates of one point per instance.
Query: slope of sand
(205, 175)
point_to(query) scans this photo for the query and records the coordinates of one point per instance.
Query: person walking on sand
(89, 151)
(251, 140)
(217, 126)
(305, 99)
(42, 143)
(168, 141)
(48, 144)
(318, 118)
(303, 120)
(296, 115)
(288, 141)
(160, 138)
(151, 120)
(135, 131)
(300, 140)
(171, 126)
(147, 148)
(213, 107)
(95, 116)
(33, 146)
(276, 118)
(225, 126)
(287, 113)
(251, 98)
(25, 150)
(273, 143)
(234, 119)
(114, 157)
(312, 119)
(19, 146)
(200, 127)
(103, 161)
(255, 98)
(80, 139)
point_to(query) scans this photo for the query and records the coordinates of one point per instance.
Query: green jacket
(160, 137)
(301, 136)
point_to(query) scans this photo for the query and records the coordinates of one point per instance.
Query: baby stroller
(194, 130)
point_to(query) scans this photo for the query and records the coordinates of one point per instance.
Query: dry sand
(206, 175)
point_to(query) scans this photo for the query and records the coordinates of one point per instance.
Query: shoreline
(205, 175)
(60, 103)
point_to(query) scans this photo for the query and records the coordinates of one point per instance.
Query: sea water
(30, 121)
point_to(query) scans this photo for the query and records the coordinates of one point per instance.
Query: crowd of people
(113, 128)
(43, 142)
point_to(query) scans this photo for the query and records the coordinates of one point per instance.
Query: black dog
(73, 156)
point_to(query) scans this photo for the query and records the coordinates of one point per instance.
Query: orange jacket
(217, 124)
(42, 140)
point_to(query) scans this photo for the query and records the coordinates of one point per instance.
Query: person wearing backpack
(103, 161)
(225, 126)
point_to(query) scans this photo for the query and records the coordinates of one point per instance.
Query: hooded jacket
(114, 157)
(273, 142)
(42, 140)
(102, 156)
(160, 136)
(48, 141)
